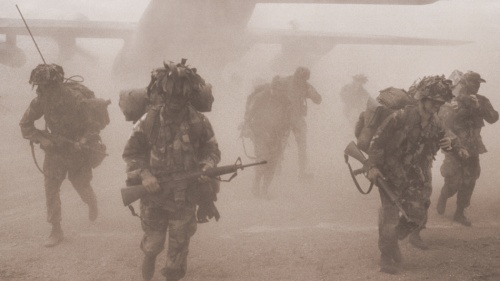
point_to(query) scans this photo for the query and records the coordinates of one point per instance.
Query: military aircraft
(209, 32)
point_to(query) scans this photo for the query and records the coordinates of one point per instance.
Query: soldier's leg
(388, 239)
(450, 188)
(182, 226)
(300, 132)
(268, 176)
(80, 175)
(464, 194)
(55, 172)
(154, 224)
(422, 211)
(260, 153)
(415, 238)
(451, 170)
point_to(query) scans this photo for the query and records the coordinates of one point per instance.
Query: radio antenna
(33, 38)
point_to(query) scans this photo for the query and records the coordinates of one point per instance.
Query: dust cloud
(328, 203)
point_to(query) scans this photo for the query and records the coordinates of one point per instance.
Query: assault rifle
(132, 193)
(353, 151)
(60, 140)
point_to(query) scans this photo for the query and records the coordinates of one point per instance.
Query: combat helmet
(432, 87)
(45, 74)
(361, 78)
(471, 77)
(181, 81)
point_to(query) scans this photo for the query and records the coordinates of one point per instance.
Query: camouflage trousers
(181, 226)
(58, 165)
(393, 227)
(460, 177)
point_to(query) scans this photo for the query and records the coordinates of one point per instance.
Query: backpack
(388, 101)
(96, 110)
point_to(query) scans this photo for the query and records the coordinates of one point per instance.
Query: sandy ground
(321, 230)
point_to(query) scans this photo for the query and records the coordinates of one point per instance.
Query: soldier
(66, 119)
(401, 152)
(172, 138)
(299, 90)
(267, 125)
(466, 121)
(354, 98)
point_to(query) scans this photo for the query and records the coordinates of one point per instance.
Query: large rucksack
(96, 110)
(388, 101)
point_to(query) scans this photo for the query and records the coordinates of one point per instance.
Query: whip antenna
(33, 38)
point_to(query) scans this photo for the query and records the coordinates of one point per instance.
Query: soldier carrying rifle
(172, 139)
(71, 139)
(401, 152)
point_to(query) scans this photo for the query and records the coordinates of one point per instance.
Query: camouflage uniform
(64, 116)
(465, 121)
(299, 90)
(266, 120)
(165, 148)
(403, 151)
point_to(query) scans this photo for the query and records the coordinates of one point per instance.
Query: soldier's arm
(313, 94)
(488, 113)
(136, 152)
(209, 155)
(27, 123)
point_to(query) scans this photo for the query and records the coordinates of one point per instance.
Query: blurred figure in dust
(299, 90)
(266, 124)
(68, 130)
(354, 98)
(465, 119)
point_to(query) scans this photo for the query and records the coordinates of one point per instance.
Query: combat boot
(148, 267)
(441, 205)
(55, 237)
(396, 255)
(387, 265)
(460, 217)
(93, 211)
(417, 241)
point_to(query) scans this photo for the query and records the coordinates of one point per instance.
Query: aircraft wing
(58, 28)
(64, 32)
(278, 36)
(371, 2)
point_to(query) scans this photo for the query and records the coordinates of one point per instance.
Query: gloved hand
(207, 211)
(79, 144)
(445, 143)
(463, 153)
(373, 174)
(45, 143)
(149, 182)
(204, 178)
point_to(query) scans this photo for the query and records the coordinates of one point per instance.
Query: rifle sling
(34, 158)
(356, 181)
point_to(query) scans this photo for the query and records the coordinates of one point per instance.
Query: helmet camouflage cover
(175, 80)
(432, 87)
(47, 74)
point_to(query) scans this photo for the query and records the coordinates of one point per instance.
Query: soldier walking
(65, 118)
(465, 119)
(171, 139)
